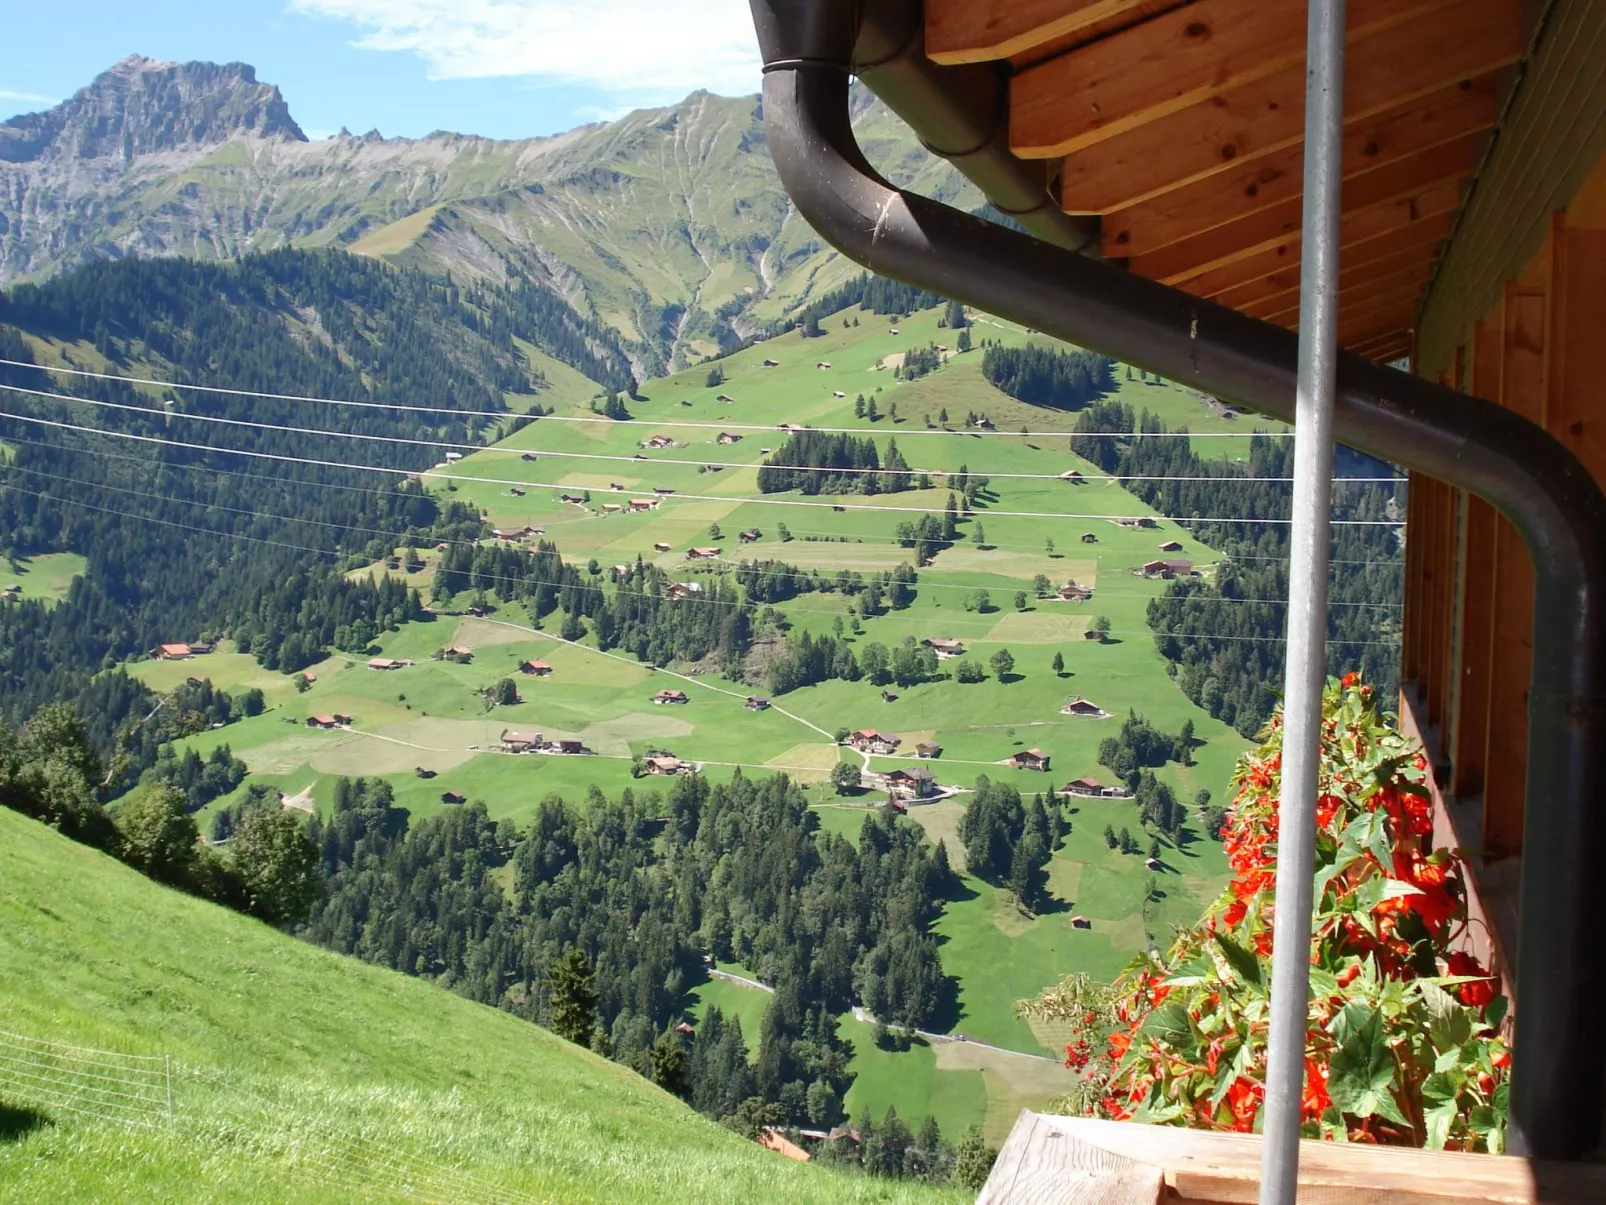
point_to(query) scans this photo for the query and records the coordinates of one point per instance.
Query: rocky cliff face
(143, 107)
(669, 225)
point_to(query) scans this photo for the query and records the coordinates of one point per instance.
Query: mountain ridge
(669, 224)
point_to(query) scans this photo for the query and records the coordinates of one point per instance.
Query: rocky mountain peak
(143, 106)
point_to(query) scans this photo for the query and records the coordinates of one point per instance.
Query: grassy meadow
(303, 1076)
(427, 730)
(47, 576)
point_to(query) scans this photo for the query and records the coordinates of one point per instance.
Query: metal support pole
(1307, 599)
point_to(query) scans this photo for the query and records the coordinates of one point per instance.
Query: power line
(906, 512)
(732, 565)
(947, 622)
(561, 521)
(578, 418)
(483, 449)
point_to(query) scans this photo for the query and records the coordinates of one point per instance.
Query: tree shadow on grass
(18, 1121)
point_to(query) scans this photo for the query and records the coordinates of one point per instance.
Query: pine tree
(870, 410)
(1058, 664)
(716, 377)
(973, 1160)
(572, 1002)
(1110, 837)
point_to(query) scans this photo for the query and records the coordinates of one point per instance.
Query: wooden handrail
(1051, 1160)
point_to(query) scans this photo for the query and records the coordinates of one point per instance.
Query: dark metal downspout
(1548, 496)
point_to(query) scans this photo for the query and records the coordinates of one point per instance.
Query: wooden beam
(1362, 334)
(975, 31)
(1277, 268)
(1037, 1163)
(1250, 185)
(1522, 389)
(1367, 278)
(1393, 185)
(1399, 297)
(1418, 261)
(1168, 63)
(1201, 1166)
(1469, 742)
(1441, 582)
(1416, 59)
(1578, 351)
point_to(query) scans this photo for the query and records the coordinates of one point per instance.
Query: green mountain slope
(303, 1076)
(669, 225)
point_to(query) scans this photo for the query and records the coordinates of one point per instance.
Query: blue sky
(503, 68)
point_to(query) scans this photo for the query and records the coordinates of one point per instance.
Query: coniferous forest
(1224, 638)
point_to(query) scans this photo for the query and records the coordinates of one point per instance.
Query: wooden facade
(1539, 349)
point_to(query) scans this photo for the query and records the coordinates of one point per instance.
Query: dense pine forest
(1223, 638)
(826, 462)
(1046, 376)
(191, 542)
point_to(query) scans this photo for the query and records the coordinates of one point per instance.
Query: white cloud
(666, 47)
(29, 98)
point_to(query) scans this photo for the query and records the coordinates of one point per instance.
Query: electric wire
(381, 531)
(907, 512)
(633, 593)
(562, 520)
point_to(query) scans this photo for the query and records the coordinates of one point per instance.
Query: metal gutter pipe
(1306, 663)
(808, 48)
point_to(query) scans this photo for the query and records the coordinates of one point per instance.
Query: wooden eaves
(1179, 126)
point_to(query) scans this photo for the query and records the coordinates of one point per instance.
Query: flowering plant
(1403, 1043)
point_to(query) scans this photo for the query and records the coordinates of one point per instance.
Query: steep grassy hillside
(300, 1076)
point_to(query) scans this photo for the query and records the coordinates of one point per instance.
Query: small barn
(538, 669)
(1029, 759)
(928, 749)
(670, 696)
(702, 554)
(1081, 706)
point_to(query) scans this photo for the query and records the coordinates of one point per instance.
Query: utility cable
(906, 512)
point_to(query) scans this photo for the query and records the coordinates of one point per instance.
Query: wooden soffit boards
(1166, 144)
(1551, 136)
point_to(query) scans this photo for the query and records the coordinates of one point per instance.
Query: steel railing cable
(474, 478)
(478, 576)
(581, 418)
(625, 590)
(1094, 477)
(557, 522)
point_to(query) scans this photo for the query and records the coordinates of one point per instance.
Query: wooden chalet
(453, 797)
(944, 647)
(387, 663)
(520, 742)
(1029, 759)
(750, 536)
(1171, 546)
(1152, 155)
(328, 721)
(1089, 538)
(702, 554)
(665, 763)
(572, 499)
(1071, 592)
(680, 591)
(165, 652)
(670, 696)
(1166, 569)
(1092, 788)
(1077, 705)
(757, 703)
(660, 546)
(868, 740)
(537, 669)
(659, 441)
(728, 437)
(928, 749)
(910, 782)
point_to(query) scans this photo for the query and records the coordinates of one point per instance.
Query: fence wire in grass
(104, 1085)
(220, 1111)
